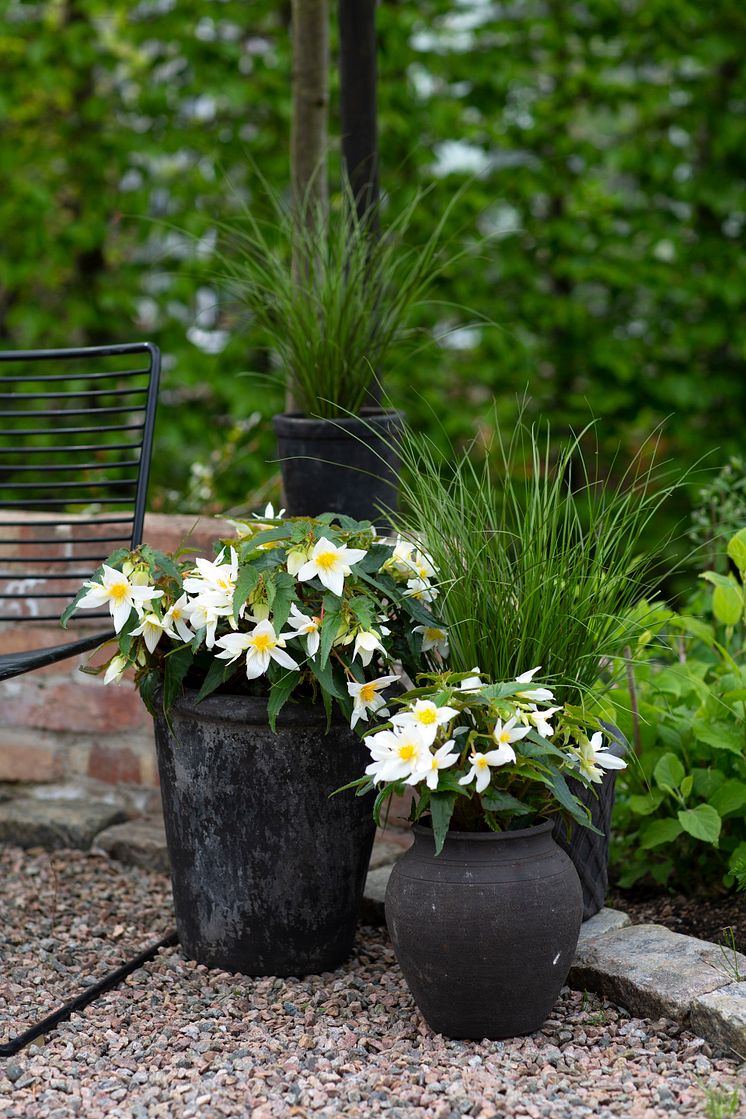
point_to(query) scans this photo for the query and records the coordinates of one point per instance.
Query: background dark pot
(486, 931)
(267, 871)
(339, 466)
(588, 851)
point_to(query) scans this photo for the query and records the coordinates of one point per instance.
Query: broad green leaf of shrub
(644, 804)
(737, 549)
(669, 772)
(730, 797)
(686, 785)
(727, 598)
(720, 735)
(658, 832)
(706, 781)
(702, 822)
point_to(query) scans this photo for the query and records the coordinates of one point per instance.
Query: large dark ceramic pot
(588, 850)
(486, 931)
(267, 871)
(348, 465)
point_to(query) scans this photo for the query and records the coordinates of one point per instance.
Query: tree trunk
(309, 137)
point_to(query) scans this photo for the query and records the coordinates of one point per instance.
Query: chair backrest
(76, 432)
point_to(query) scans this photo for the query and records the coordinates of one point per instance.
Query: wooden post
(357, 61)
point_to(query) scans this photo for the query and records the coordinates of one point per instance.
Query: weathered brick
(117, 765)
(69, 706)
(169, 533)
(30, 757)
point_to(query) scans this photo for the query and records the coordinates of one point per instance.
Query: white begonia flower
(261, 646)
(540, 719)
(505, 733)
(441, 759)
(472, 683)
(481, 763)
(307, 625)
(203, 615)
(122, 596)
(537, 695)
(330, 563)
(367, 698)
(593, 758)
(151, 629)
(366, 644)
(269, 513)
(426, 716)
(433, 638)
(175, 621)
(296, 558)
(421, 590)
(400, 560)
(397, 754)
(115, 670)
(423, 565)
(214, 582)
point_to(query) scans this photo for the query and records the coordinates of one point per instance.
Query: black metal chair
(76, 433)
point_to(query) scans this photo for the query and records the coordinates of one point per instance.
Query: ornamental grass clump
(539, 561)
(334, 321)
(312, 608)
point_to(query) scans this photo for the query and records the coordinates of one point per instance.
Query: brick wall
(59, 725)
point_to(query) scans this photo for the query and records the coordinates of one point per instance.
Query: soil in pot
(348, 465)
(267, 870)
(485, 932)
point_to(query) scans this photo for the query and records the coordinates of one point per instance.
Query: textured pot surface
(486, 931)
(267, 871)
(339, 466)
(588, 851)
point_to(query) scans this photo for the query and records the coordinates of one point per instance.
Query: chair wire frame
(75, 448)
(76, 436)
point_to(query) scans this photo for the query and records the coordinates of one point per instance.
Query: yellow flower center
(481, 763)
(427, 717)
(368, 693)
(433, 634)
(407, 752)
(326, 560)
(504, 736)
(225, 584)
(263, 643)
(118, 591)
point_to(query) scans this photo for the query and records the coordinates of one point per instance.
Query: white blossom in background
(472, 683)
(151, 629)
(175, 621)
(433, 639)
(540, 719)
(481, 764)
(366, 644)
(441, 759)
(593, 757)
(537, 695)
(397, 754)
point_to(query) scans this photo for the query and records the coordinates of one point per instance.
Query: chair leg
(10, 1048)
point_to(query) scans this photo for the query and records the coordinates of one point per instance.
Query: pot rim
(482, 836)
(220, 708)
(300, 425)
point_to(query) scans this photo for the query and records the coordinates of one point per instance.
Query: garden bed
(703, 917)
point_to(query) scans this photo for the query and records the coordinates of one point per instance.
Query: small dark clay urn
(486, 931)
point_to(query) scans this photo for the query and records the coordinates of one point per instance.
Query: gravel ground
(179, 1041)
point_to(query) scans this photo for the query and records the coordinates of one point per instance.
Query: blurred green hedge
(607, 213)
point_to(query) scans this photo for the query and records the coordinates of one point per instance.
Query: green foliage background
(610, 144)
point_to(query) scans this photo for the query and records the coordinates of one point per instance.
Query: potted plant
(485, 909)
(333, 304)
(540, 563)
(261, 664)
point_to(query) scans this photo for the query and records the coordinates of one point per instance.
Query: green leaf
(164, 562)
(326, 678)
(329, 627)
(737, 549)
(70, 610)
(284, 596)
(686, 785)
(217, 674)
(279, 694)
(720, 735)
(494, 800)
(727, 598)
(669, 772)
(643, 805)
(730, 797)
(373, 560)
(557, 783)
(441, 811)
(147, 686)
(658, 832)
(702, 822)
(248, 577)
(176, 666)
